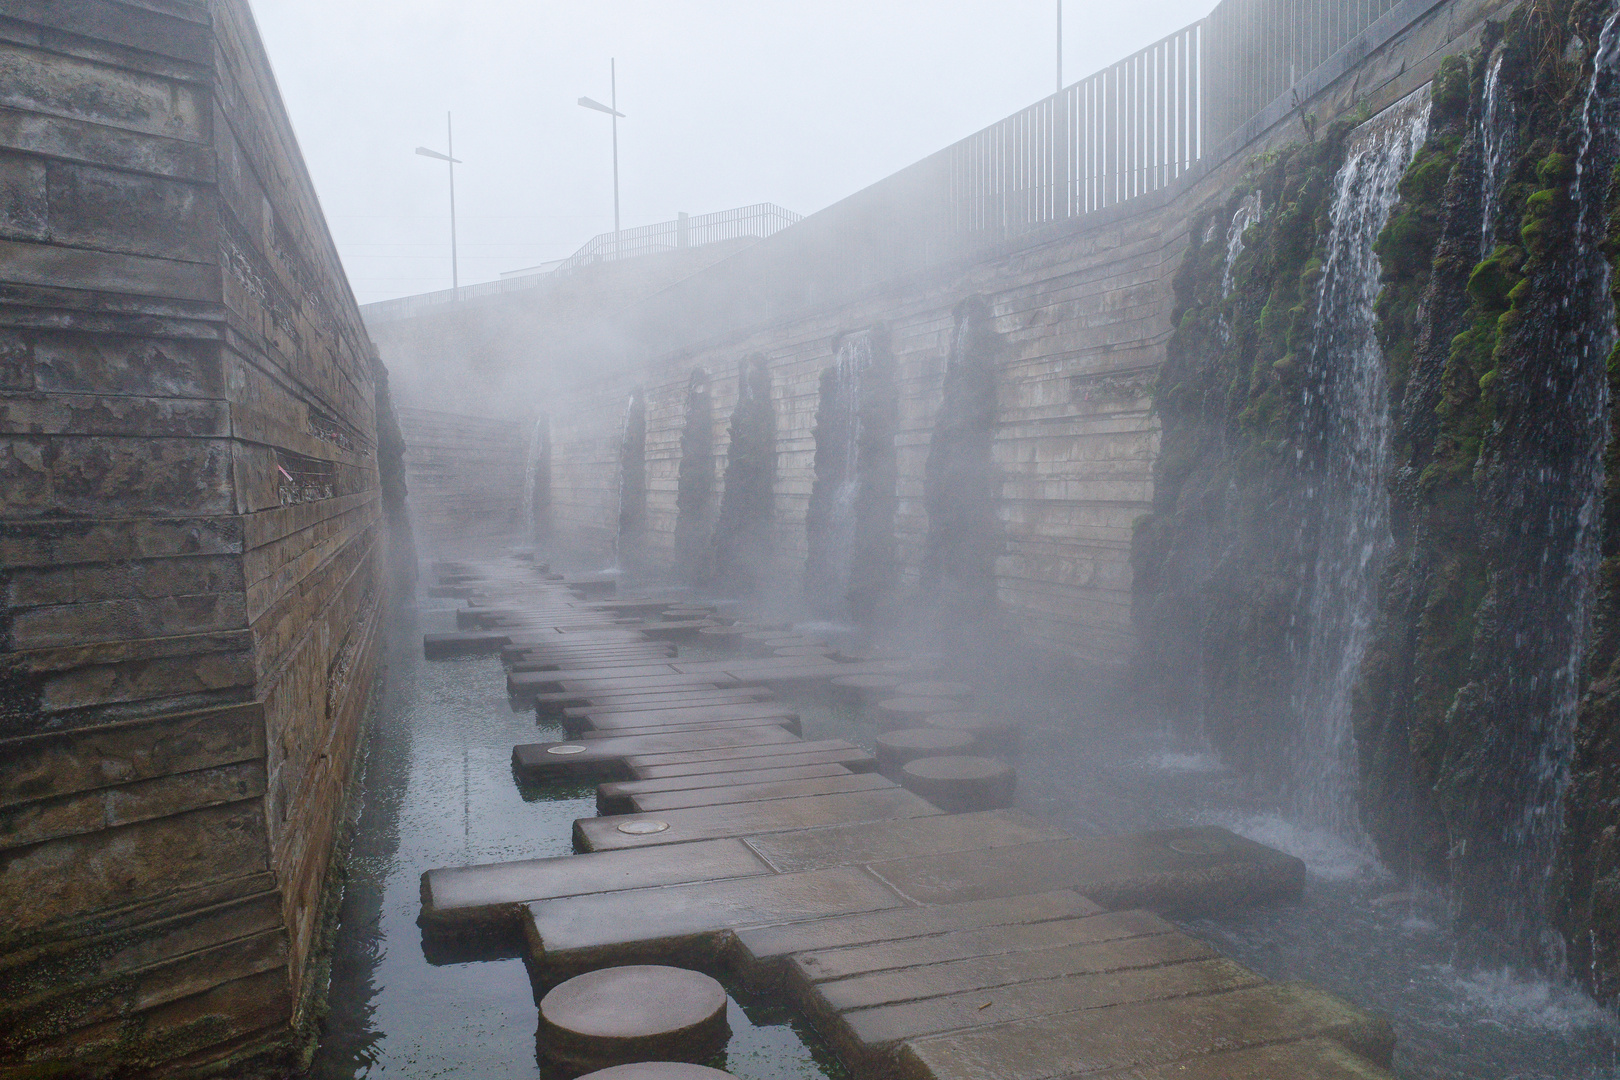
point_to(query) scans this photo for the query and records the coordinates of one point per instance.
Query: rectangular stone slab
(880, 841)
(605, 927)
(468, 897)
(697, 756)
(688, 714)
(877, 1030)
(462, 643)
(826, 964)
(553, 703)
(534, 682)
(534, 759)
(607, 684)
(613, 797)
(1002, 969)
(748, 793)
(852, 758)
(745, 819)
(1151, 869)
(1154, 1033)
(786, 723)
(766, 942)
(559, 664)
(1308, 1059)
(633, 702)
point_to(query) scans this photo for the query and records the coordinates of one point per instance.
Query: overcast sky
(727, 103)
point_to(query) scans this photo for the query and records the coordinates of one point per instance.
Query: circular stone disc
(641, 1011)
(957, 768)
(866, 682)
(915, 708)
(567, 748)
(976, 723)
(934, 689)
(658, 1070)
(1197, 845)
(644, 827)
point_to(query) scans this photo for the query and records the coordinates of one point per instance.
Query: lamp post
(612, 110)
(1060, 47)
(449, 157)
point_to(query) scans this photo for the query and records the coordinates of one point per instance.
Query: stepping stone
(880, 842)
(722, 637)
(463, 643)
(852, 758)
(767, 943)
(724, 759)
(803, 650)
(990, 733)
(637, 924)
(935, 688)
(868, 1038)
(958, 785)
(688, 714)
(910, 711)
(861, 688)
(746, 819)
(625, 1014)
(653, 802)
(895, 748)
(1155, 1033)
(659, 1070)
(535, 682)
(789, 724)
(1307, 1059)
(613, 797)
(479, 899)
(539, 760)
(606, 704)
(564, 699)
(1181, 871)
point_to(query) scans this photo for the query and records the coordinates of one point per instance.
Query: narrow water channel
(439, 791)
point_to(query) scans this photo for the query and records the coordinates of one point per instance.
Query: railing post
(1062, 199)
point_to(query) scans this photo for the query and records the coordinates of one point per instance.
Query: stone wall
(189, 543)
(466, 475)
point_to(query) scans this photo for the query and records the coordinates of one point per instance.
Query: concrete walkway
(921, 944)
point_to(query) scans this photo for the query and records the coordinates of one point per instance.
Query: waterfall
(528, 526)
(1352, 444)
(850, 524)
(631, 521)
(1498, 137)
(1249, 212)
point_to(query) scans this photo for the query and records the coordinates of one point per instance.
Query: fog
(726, 104)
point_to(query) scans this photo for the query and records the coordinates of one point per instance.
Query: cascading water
(851, 516)
(1498, 138)
(1249, 212)
(631, 522)
(538, 453)
(1351, 441)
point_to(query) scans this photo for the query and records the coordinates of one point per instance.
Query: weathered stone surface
(1306, 1059)
(472, 898)
(659, 1070)
(555, 759)
(1175, 870)
(758, 792)
(895, 748)
(879, 842)
(633, 1013)
(613, 796)
(625, 926)
(851, 758)
(695, 713)
(961, 784)
(1147, 1034)
(748, 819)
(784, 723)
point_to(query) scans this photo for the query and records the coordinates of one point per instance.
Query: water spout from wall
(536, 482)
(1349, 438)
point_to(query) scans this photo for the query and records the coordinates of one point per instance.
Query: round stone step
(961, 784)
(991, 734)
(722, 637)
(862, 688)
(803, 650)
(641, 1012)
(911, 711)
(659, 1070)
(895, 748)
(934, 688)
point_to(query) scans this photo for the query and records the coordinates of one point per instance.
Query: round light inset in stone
(566, 748)
(643, 827)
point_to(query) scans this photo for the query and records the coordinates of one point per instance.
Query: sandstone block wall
(466, 474)
(189, 535)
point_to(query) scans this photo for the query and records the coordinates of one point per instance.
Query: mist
(726, 104)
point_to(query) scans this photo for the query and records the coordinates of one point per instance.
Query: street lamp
(448, 156)
(1060, 46)
(613, 111)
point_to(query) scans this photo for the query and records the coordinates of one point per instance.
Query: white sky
(727, 103)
